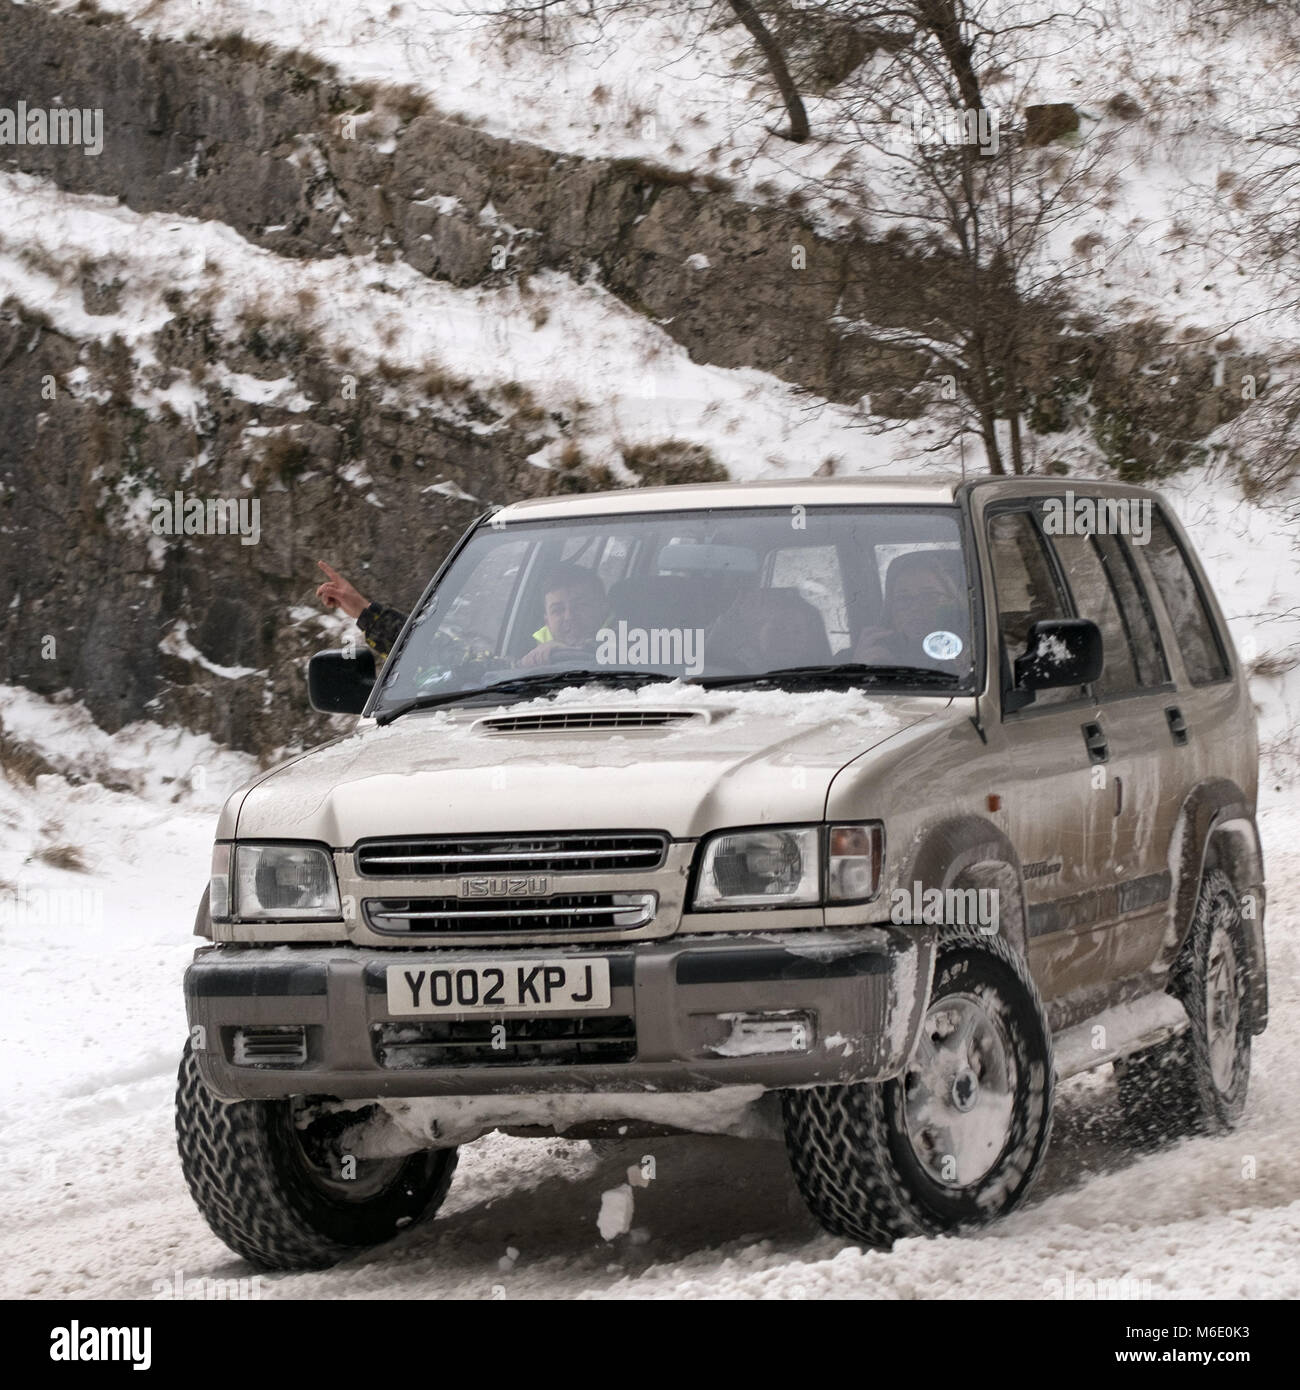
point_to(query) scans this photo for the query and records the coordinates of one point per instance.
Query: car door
(1131, 785)
(1047, 804)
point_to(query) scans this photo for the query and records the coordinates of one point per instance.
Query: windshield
(725, 596)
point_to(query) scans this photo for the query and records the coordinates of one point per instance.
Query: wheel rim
(959, 1092)
(1222, 1007)
(321, 1161)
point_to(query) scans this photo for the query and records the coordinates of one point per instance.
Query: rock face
(305, 166)
(202, 629)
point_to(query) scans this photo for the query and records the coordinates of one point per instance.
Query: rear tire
(956, 1140)
(276, 1203)
(1197, 1082)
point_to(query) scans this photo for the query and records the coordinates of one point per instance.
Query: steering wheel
(571, 656)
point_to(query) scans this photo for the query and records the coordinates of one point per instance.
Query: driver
(574, 606)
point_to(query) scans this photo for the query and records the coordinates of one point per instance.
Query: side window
(1094, 598)
(1026, 589)
(1197, 639)
(1139, 621)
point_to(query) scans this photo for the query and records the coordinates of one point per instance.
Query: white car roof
(779, 492)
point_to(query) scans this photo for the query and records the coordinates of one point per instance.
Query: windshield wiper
(604, 675)
(534, 680)
(844, 671)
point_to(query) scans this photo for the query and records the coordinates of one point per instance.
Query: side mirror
(1064, 651)
(341, 682)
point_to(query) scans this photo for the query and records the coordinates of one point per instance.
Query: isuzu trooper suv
(861, 810)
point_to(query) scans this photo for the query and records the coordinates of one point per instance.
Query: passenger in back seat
(768, 630)
(925, 614)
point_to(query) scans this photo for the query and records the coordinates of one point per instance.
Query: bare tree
(541, 16)
(772, 53)
(962, 179)
(958, 178)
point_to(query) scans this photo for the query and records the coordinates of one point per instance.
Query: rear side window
(1139, 621)
(1197, 639)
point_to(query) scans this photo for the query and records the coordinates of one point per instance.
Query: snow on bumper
(689, 1014)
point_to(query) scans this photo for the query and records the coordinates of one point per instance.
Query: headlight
(761, 868)
(782, 867)
(280, 881)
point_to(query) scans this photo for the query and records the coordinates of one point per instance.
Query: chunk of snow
(615, 1212)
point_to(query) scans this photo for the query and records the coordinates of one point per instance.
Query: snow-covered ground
(90, 967)
(96, 1206)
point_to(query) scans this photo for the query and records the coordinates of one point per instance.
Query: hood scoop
(591, 720)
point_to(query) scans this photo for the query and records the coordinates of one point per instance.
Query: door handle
(1094, 739)
(1119, 795)
(1177, 724)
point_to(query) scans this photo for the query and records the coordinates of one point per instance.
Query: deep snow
(96, 1205)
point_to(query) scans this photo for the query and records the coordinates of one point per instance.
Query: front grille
(434, 857)
(565, 912)
(584, 721)
(504, 1042)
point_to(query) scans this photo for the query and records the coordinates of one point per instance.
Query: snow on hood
(752, 757)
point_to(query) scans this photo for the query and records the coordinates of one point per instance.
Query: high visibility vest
(544, 634)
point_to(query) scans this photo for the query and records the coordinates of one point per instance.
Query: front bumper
(861, 993)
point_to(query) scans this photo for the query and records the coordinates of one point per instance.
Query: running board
(1118, 1031)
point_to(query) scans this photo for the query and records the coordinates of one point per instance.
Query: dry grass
(521, 401)
(282, 457)
(62, 857)
(20, 762)
(438, 381)
(672, 461)
(1275, 663)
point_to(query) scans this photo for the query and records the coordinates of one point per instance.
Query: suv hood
(719, 759)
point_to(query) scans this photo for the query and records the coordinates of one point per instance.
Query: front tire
(1198, 1080)
(272, 1197)
(956, 1140)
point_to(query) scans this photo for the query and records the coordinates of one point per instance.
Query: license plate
(521, 986)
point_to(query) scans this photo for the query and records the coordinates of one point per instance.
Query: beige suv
(855, 810)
